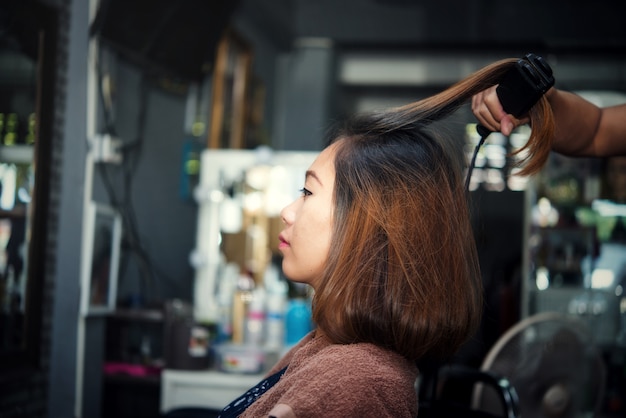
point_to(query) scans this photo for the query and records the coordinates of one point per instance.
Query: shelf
(147, 315)
(17, 154)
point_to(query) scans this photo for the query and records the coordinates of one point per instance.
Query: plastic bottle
(225, 298)
(255, 319)
(297, 321)
(275, 316)
(241, 302)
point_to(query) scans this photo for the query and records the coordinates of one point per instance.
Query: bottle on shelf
(241, 303)
(31, 131)
(255, 319)
(276, 305)
(10, 135)
(297, 321)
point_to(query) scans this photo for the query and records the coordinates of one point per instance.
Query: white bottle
(275, 317)
(241, 303)
(255, 319)
(225, 297)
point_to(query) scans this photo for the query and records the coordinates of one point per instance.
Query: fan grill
(552, 364)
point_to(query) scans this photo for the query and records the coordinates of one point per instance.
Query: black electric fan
(551, 361)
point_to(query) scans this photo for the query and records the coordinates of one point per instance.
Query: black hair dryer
(522, 86)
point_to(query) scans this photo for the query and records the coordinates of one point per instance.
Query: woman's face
(305, 240)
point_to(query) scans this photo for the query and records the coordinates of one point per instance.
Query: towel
(341, 380)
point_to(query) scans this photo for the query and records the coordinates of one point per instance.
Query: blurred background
(137, 137)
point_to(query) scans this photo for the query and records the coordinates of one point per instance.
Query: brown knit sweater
(337, 380)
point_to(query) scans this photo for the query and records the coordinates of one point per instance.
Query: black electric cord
(520, 88)
(148, 273)
(484, 133)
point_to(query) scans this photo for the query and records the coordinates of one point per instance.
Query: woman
(382, 234)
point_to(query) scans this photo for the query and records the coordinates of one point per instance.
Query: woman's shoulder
(351, 380)
(325, 379)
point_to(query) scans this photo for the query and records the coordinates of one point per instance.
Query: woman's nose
(288, 213)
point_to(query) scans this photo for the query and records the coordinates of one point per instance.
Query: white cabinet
(207, 389)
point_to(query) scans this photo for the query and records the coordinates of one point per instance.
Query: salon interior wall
(300, 83)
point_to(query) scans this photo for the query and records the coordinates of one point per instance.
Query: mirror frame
(27, 359)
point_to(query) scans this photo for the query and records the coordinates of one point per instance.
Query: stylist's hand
(488, 110)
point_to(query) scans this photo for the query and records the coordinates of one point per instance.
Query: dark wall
(575, 23)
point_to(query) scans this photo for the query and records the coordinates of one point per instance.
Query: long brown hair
(403, 269)
(432, 109)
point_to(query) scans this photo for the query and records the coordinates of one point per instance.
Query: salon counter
(203, 388)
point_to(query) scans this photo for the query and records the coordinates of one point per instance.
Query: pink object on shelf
(131, 369)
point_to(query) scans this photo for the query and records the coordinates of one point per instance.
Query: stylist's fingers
(487, 109)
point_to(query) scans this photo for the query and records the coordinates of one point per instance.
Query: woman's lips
(283, 243)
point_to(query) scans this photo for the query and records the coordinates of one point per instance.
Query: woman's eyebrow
(310, 173)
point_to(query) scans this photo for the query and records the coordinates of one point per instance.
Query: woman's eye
(305, 192)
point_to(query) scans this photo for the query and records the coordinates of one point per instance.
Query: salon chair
(191, 412)
(448, 392)
(444, 392)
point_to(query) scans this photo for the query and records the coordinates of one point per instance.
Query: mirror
(27, 80)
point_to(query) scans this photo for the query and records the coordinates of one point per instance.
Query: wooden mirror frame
(231, 80)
